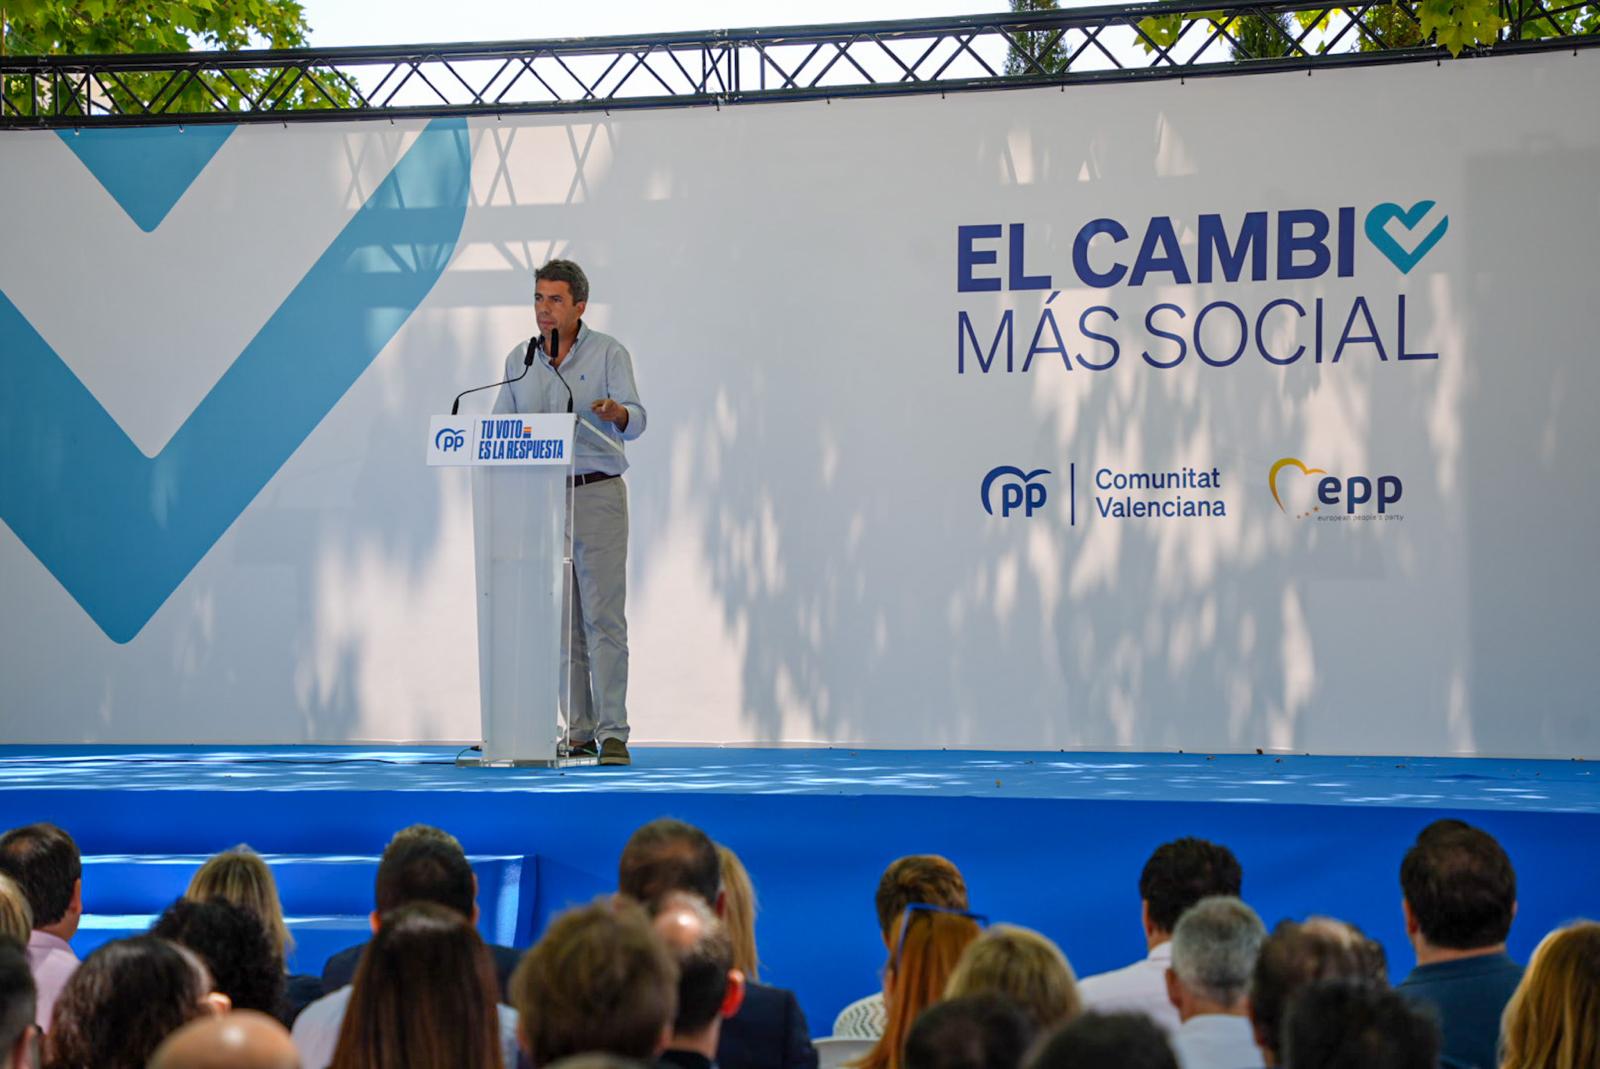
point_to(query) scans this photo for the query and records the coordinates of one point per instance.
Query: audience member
(1176, 876)
(126, 998)
(436, 871)
(1460, 894)
(1296, 954)
(19, 1034)
(241, 1040)
(240, 956)
(1024, 967)
(44, 861)
(740, 913)
(1107, 1041)
(1214, 950)
(710, 988)
(243, 877)
(925, 878)
(1553, 1018)
(423, 998)
(599, 981)
(983, 1031)
(929, 942)
(16, 916)
(1345, 1024)
(769, 1031)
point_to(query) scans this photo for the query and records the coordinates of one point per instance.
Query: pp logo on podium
(1018, 490)
(450, 440)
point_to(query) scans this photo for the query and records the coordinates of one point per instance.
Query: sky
(371, 22)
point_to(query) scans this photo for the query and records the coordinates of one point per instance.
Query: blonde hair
(1025, 967)
(739, 912)
(242, 877)
(16, 916)
(929, 943)
(1553, 1018)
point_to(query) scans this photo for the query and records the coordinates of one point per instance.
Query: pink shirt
(53, 962)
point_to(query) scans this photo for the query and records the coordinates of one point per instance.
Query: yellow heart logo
(1288, 462)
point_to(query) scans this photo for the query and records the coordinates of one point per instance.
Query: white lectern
(521, 501)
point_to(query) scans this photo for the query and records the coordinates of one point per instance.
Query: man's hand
(611, 412)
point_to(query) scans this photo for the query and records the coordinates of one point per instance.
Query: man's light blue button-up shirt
(596, 367)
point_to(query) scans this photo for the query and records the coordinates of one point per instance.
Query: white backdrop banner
(1248, 412)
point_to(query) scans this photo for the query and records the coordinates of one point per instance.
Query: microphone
(555, 347)
(527, 362)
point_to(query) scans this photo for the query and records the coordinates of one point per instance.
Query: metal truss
(728, 67)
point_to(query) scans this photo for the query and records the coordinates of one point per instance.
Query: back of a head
(243, 877)
(739, 912)
(926, 878)
(44, 861)
(701, 946)
(1107, 1041)
(1553, 1019)
(1294, 955)
(124, 999)
(425, 868)
(1460, 886)
(1214, 948)
(599, 980)
(423, 996)
(243, 1039)
(18, 996)
(1351, 1024)
(1184, 871)
(928, 944)
(971, 1032)
(235, 946)
(16, 915)
(1024, 967)
(668, 855)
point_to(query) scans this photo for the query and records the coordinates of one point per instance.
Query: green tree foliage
(1036, 49)
(102, 27)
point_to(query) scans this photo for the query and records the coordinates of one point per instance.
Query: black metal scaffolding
(729, 67)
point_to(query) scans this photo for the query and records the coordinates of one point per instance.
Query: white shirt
(1137, 988)
(1217, 1041)
(316, 1030)
(52, 962)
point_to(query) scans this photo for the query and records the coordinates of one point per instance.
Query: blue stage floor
(1054, 841)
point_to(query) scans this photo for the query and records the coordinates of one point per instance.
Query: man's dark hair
(599, 980)
(668, 855)
(1107, 1041)
(44, 861)
(703, 965)
(926, 878)
(568, 272)
(1295, 955)
(425, 869)
(975, 1032)
(1349, 1024)
(1460, 885)
(235, 946)
(18, 996)
(1184, 871)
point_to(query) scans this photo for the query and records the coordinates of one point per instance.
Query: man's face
(555, 309)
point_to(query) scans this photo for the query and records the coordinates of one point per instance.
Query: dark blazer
(768, 1032)
(341, 968)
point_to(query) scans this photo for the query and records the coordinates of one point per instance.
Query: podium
(522, 549)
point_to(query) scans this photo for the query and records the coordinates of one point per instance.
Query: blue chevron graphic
(119, 530)
(170, 159)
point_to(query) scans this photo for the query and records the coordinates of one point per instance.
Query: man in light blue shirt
(598, 372)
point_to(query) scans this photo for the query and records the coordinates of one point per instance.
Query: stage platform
(1050, 840)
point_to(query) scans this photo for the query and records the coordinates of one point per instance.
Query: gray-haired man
(1214, 948)
(599, 372)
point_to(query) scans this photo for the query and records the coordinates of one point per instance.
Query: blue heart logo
(1377, 232)
(119, 530)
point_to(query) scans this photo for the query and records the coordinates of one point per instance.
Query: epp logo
(448, 440)
(1020, 492)
(1332, 492)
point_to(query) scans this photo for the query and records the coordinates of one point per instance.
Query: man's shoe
(614, 752)
(586, 748)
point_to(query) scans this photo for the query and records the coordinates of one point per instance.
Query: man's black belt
(590, 477)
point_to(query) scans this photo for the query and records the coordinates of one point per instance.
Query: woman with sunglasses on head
(929, 941)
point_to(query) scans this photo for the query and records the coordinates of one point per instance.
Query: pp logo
(448, 440)
(1334, 494)
(1018, 491)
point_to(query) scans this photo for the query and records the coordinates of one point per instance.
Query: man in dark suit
(769, 1030)
(421, 864)
(710, 989)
